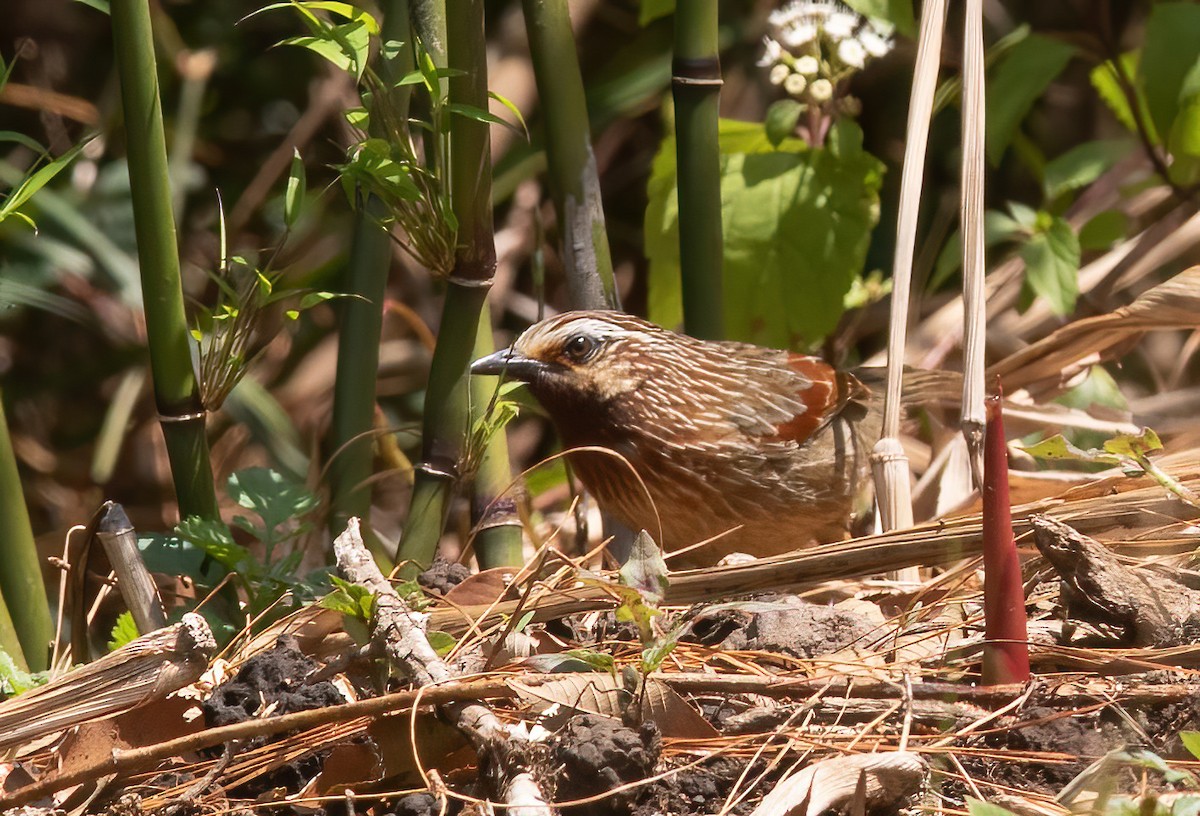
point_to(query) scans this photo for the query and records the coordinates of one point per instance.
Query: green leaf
(293, 199)
(1191, 741)
(480, 115)
(1184, 143)
(1052, 265)
(21, 138)
(13, 679)
(1082, 165)
(897, 12)
(1108, 85)
(347, 48)
(645, 571)
(977, 807)
(273, 496)
(101, 6)
(1057, 448)
(39, 179)
(1103, 230)
(352, 600)
(1134, 446)
(124, 631)
(513, 109)
(1171, 50)
(796, 222)
(215, 538)
(998, 228)
(1019, 81)
(1142, 758)
(441, 642)
(651, 10)
(782, 118)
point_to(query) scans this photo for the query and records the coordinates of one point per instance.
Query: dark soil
(698, 790)
(275, 677)
(596, 755)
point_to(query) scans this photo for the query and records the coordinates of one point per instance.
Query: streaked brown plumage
(761, 449)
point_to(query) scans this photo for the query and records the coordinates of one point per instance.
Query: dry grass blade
(144, 670)
(974, 313)
(888, 460)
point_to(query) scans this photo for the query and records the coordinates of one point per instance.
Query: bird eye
(579, 347)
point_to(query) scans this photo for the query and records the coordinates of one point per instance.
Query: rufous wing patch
(827, 393)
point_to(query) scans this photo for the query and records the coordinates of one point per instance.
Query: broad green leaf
(1134, 446)
(1171, 50)
(1018, 81)
(998, 228)
(101, 6)
(645, 571)
(1107, 83)
(216, 540)
(1058, 448)
(1103, 230)
(1191, 741)
(358, 118)
(1184, 143)
(441, 642)
(124, 631)
(782, 117)
(651, 10)
(977, 807)
(796, 224)
(274, 497)
(1082, 165)
(897, 12)
(13, 679)
(1052, 266)
(293, 198)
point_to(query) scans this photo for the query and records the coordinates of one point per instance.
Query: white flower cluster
(816, 43)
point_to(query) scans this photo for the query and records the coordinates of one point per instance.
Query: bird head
(578, 358)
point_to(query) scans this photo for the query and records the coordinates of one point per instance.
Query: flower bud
(821, 90)
(795, 84)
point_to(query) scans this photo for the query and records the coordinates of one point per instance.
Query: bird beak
(510, 363)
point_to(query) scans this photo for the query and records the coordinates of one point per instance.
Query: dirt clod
(443, 576)
(598, 754)
(786, 625)
(275, 678)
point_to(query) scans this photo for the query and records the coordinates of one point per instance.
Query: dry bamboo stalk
(974, 312)
(142, 671)
(889, 463)
(137, 588)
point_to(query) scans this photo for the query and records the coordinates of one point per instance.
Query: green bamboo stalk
(176, 395)
(696, 89)
(21, 586)
(574, 183)
(9, 642)
(493, 509)
(360, 326)
(351, 432)
(447, 411)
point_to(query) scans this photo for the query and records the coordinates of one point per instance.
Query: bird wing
(827, 394)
